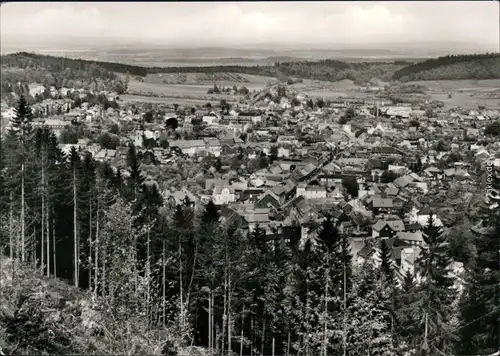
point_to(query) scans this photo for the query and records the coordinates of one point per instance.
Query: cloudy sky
(239, 23)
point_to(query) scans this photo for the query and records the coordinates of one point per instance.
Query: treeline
(59, 72)
(328, 70)
(453, 67)
(198, 274)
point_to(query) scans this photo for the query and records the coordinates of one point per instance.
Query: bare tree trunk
(34, 244)
(75, 235)
(103, 274)
(345, 313)
(425, 346)
(23, 223)
(224, 314)
(229, 315)
(307, 318)
(180, 285)
(47, 239)
(11, 226)
(210, 322)
(242, 329)
(325, 329)
(96, 250)
(148, 276)
(251, 333)
(43, 244)
(263, 337)
(54, 253)
(273, 343)
(163, 283)
(90, 244)
(288, 341)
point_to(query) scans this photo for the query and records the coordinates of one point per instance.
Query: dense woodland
(158, 279)
(453, 67)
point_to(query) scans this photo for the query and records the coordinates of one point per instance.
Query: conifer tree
(18, 142)
(369, 332)
(436, 293)
(74, 163)
(480, 302)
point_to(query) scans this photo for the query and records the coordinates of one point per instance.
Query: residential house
(387, 228)
(223, 195)
(310, 192)
(381, 205)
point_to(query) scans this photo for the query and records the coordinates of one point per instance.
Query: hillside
(39, 68)
(64, 72)
(27, 68)
(41, 315)
(475, 66)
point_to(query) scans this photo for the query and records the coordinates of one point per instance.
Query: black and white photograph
(259, 178)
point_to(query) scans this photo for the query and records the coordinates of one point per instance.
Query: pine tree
(436, 292)
(480, 302)
(135, 179)
(388, 282)
(74, 162)
(407, 312)
(386, 264)
(369, 333)
(18, 145)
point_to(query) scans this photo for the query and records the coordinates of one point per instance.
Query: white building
(311, 192)
(223, 195)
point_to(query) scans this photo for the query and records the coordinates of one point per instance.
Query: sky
(246, 23)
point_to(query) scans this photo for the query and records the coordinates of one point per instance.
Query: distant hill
(328, 70)
(55, 70)
(454, 67)
(28, 68)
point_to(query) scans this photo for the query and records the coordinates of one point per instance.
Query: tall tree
(74, 162)
(437, 293)
(369, 332)
(18, 141)
(480, 302)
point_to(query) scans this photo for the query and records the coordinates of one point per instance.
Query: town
(279, 181)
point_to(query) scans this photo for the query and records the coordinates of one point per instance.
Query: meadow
(464, 93)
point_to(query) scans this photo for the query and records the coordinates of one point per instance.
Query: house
(381, 205)
(213, 146)
(223, 195)
(422, 217)
(211, 118)
(402, 182)
(189, 147)
(412, 238)
(368, 252)
(55, 125)
(387, 228)
(310, 192)
(269, 200)
(408, 259)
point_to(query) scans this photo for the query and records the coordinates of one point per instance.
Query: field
(128, 98)
(465, 93)
(194, 86)
(191, 88)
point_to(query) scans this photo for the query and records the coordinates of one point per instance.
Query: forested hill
(24, 59)
(330, 70)
(474, 66)
(29, 68)
(51, 70)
